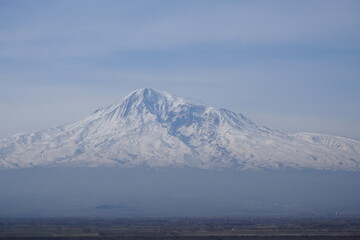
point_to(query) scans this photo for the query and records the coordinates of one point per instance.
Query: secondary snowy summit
(156, 129)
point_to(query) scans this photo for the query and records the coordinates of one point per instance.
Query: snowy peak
(157, 129)
(148, 104)
(144, 101)
(167, 107)
(148, 100)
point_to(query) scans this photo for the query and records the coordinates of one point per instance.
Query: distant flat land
(182, 228)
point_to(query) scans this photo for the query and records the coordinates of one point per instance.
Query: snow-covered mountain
(156, 129)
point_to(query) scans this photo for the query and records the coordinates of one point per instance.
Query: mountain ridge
(157, 129)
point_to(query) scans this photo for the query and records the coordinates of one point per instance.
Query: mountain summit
(157, 129)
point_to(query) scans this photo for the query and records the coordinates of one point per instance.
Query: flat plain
(294, 228)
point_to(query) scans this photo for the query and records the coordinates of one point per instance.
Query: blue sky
(292, 65)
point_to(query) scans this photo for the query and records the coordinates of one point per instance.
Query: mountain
(152, 128)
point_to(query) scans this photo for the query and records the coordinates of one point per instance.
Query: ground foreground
(182, 228)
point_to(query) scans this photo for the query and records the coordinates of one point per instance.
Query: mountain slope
(156, 129)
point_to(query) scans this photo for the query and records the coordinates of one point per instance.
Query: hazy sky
(292, 65)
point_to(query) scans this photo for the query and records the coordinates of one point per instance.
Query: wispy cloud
(91, 28)
(280, 57)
